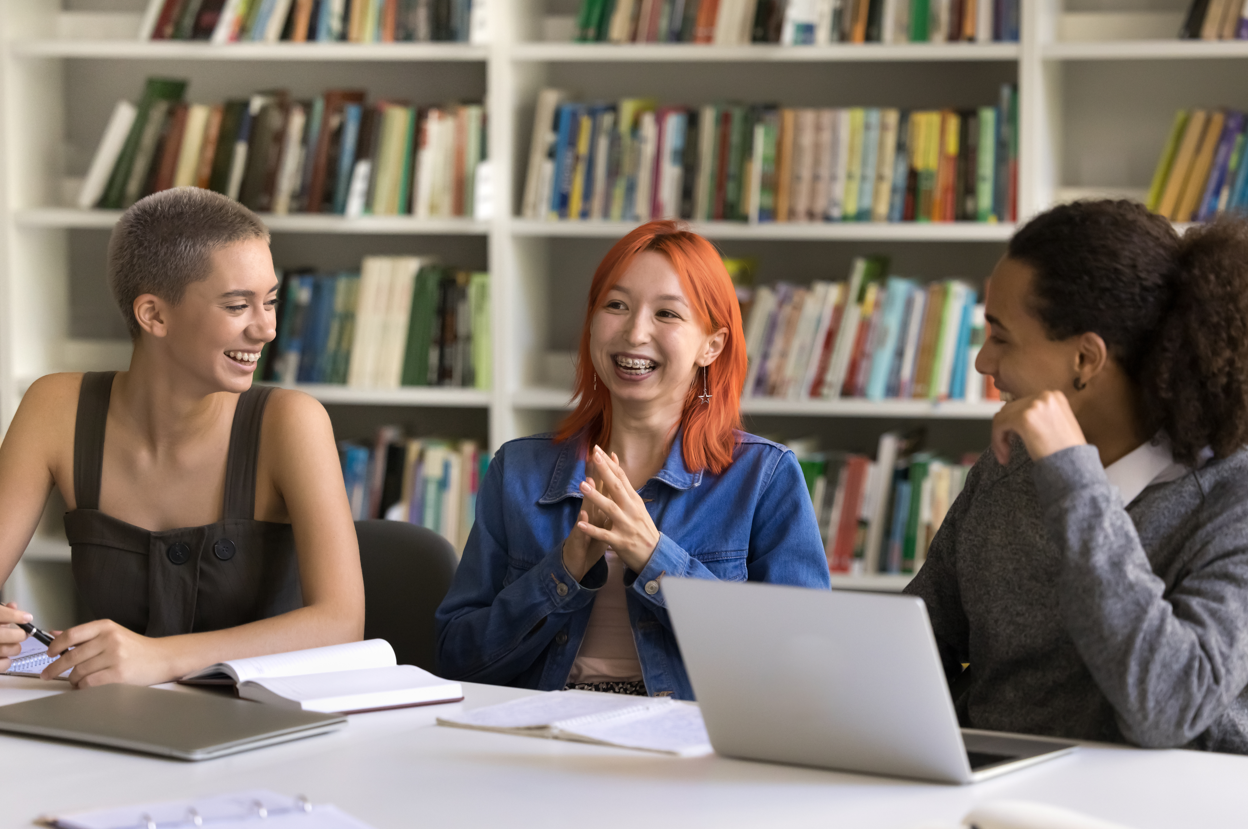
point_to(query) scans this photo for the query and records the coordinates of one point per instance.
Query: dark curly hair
(1173, 310)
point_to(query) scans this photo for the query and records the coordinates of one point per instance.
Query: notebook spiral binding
(259, 812)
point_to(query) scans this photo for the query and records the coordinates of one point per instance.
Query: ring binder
(249, 809)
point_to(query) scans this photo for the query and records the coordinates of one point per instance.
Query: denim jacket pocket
(516, 568)
(726, 565)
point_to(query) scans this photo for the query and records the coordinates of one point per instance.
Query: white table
(397, 769)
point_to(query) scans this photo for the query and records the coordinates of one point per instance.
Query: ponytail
(1195, 371)
(1173, 311)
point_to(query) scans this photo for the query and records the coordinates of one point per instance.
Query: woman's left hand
(104, 652)
(1044, 422)
(632, 534)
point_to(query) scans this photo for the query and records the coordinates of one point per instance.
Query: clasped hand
(1044, 422)
(612, 515)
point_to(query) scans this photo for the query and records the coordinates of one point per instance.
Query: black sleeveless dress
(186, 580)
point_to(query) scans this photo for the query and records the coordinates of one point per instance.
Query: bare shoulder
(49, 406)
(293, 418)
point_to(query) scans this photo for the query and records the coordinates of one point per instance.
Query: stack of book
(1216, 20)
(400, 321)
(336, 154)
(636, 161)
(426, 481)
(1201, 170)
(867, 337)
(797, 22)
(301, 21)
(880, 516)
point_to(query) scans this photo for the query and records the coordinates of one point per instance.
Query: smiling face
(645, 341)
(1018, 354)
(218, 329)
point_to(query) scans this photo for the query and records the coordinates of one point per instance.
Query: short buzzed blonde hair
(164, 242)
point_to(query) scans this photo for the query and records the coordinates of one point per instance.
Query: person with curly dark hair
(1094, 572)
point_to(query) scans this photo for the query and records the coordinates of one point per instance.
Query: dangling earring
(595, 381)
(1080, 385)
(705, 396)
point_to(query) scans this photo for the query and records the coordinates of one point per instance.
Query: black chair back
(407, 572)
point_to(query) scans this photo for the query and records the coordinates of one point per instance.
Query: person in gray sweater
(1094, 571)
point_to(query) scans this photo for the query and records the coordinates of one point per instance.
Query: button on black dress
(185, 580)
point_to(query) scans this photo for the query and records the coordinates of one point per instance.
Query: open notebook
(32, 660)
(651, 724)
(347, 679)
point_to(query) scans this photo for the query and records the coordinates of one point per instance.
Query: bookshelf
(1099, 81)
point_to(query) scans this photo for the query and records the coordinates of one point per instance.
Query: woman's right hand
(580, 552)
(11, 637)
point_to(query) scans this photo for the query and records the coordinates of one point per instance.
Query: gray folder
(185, 725)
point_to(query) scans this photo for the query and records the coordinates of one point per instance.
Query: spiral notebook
(254, 808)
(646, 723)
(32, 660)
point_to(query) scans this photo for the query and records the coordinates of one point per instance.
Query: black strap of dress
(240, 464)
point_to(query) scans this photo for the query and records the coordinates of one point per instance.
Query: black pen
(45, 638)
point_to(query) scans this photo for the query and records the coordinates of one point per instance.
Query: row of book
(301, 21)
(399, 321)
(797, 22)
(867, 337)
(427, 481)
(880, 516)
(1201, 170)
(335, 154)
(636, 161)
(1216, 20)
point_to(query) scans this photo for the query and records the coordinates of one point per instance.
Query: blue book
(587, 188)
(913, 295)
(784, 295)
(892, 319)
(565, 160)
(299, 295)
(957, 381)
(354, 459)
(901, 170)
(320, 315)
(351, 115)
(261, 22)
(315, 116)
(901, 512)
(870, 152)
(677, 125)
(1208, 205)
(1238, 199)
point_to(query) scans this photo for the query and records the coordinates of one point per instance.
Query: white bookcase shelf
(882, 583)
(317, 52)
(1146, 50)
(785, 231)
(434, 397)
(759, 53)
(69, 218)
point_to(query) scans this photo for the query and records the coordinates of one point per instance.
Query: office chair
(407, 571)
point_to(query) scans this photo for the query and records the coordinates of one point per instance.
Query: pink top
(608, 652)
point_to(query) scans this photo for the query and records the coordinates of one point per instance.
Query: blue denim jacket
(514, 616)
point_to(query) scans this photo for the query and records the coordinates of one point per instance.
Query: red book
(168, 19)
(168, 164)
(842, 556)
(704, 29)
(825, 349)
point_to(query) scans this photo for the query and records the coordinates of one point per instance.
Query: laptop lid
(831, 679)
(184, 725)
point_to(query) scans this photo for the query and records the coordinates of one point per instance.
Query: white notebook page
(373, 653)
(356, 683)
(547, 709)
(221, 812)
(676, 728)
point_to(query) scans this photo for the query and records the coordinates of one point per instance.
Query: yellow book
(1182, 164)
(582, 165)
(853, 170)
(784, 162)
(1194, 187)
(1167, 160)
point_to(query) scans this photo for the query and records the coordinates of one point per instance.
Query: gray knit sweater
(1082, 619)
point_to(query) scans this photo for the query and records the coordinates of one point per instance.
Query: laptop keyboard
(982, 759)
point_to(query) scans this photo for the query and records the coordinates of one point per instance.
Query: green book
(421, 321)
(812, 469)
(341, 328)
(156, 89)
(920, 13)
(738, 141)
(1167, 159)
(185, 26)
(405, 180)
(712, 165)
(223, 158)
(919, 466)
(588, 20)
(479, 309)
(986, 161)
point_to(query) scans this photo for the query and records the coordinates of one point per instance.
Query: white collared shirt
(1150, 463)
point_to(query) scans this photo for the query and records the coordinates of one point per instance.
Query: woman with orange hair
(561, 580)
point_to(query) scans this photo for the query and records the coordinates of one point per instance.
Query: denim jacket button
(562, 589)
(561, 638)
(652, 587)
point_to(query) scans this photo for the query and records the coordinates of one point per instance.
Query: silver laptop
(839, 680)
(183, 725)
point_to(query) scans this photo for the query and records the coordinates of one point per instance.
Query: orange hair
(708, 431)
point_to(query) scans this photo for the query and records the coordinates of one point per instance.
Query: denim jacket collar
(565, 481)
